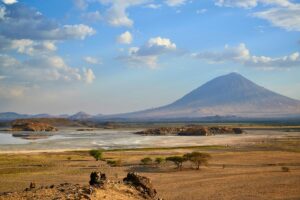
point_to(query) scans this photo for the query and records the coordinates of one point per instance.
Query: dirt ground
(252, 172)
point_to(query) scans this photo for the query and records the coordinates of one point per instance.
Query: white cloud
(116, 15)
(157, 46)
(41, 69)
(22, 22)
(153, 6)
(2, 12)
(148, 54)
(30, 47)
(92, 60)
(251, 3)
(201, 11)
(81, 4)
(77, 31)
(89, 75)
(286, 17)
(237, 3)
(283, 13)
(241, 55)
(125, 38)
(175, 2)
(92, 16)
(9, 1)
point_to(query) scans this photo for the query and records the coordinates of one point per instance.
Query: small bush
(285, 169)
(159, 160)
(146, 161)
(97, 154)
(69, 158)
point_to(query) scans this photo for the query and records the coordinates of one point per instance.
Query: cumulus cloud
(89, 76)
(21, 22)
(40, 69)
(26, 31)
(241, 54)
(148, 54)
(116, 14)
(92, 60)
(173, 3)
(282, 13)
(125, 38)
(9, 1)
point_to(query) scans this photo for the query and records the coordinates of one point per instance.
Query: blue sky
(114, 56)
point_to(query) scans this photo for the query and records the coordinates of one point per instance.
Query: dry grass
(252, 172)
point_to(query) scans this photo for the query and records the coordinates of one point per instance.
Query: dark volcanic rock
(191, 131)
(97, 179)
(141, 183)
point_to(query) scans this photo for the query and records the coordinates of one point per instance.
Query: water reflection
(32, 136)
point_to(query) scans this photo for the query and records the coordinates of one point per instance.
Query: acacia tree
(159, 160)
(177, 160)
(146, 161)
(97, 154)
(198, 158)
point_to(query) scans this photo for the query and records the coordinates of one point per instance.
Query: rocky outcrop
(134, 187)
(63, 191)
(25, 125)
(141, 183)
(191, 131)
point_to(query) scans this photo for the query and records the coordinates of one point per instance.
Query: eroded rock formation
(25, 125)
(191, 131)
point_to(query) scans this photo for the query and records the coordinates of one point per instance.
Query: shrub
(198, 158)
(97, 154)
(177, 160)
(146, 161)
(159, 160)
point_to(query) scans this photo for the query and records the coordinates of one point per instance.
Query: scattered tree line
(197, 158)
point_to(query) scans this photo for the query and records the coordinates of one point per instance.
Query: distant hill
(12, 116)
(228, 95)
(80, 116)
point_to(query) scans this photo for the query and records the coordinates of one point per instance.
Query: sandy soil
(251, 172)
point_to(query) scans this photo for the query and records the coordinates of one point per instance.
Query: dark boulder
(141, 183)
(97, 179)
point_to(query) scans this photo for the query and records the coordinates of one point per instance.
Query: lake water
(113, 139)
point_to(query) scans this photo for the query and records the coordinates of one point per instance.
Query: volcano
(228, 95)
